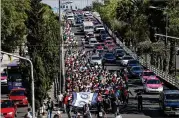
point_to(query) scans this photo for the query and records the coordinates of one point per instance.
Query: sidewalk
(6, 61)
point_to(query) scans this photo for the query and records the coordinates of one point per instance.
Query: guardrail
(163, 75)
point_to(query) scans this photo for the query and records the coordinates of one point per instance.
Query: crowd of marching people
(81, 76)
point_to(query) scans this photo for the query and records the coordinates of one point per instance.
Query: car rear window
(148, 74)
(3, 74)
(18, 93)
(172, 96)
(6, 104)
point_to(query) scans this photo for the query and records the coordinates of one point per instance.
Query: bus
(14, 75)
(88, 26)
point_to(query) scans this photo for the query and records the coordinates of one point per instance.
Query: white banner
(81, 98)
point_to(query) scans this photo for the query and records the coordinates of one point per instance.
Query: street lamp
(32, 77)
(166, 25)
(175, 38)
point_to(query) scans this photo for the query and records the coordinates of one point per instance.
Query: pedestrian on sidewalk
(60, 99)
(68, 108)
(50, 108)
(58, 115)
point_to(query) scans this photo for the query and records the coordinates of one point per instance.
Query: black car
(119, 53)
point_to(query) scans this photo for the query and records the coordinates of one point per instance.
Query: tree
(43, 47)
(13, 26)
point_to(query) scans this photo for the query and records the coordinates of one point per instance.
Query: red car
(8, 109)
(108, 42)
(19, 96)
(110, 47)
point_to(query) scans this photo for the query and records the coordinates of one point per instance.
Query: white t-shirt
(60, 97)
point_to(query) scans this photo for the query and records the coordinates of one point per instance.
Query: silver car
(92, 42)
(125, 60)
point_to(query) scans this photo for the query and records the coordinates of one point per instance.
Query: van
(88, 26)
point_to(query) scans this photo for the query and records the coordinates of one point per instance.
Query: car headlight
(160, 87)
(25, 98)
(10, 113)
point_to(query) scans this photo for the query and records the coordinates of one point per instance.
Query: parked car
(147, 74)
(96, 59)
(125, 59)
(153, 85)
(8, 109)
(92, 42)
(19, 96)
(3, 79)
(109, 57)
(135, 71)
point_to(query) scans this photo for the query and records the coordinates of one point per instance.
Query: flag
(82, 98)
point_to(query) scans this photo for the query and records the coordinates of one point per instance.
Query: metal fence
(163, 75)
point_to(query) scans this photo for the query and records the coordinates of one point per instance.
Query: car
(103, 37)
(119, 53)
(109, 57)
(108, 42)
(8, 108)
(109, 38)
(100, 51)
(99, 46)
(96, 59)
(89, 35)
(125, 59)
(133, 62)
(147, 74)
(169, 102)
(153, 85)
(110, 47)
(92, 42)
(3, 79)
(19, 96)
(98, 28)
(135, 71)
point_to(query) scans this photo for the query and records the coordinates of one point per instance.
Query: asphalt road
(150, 103)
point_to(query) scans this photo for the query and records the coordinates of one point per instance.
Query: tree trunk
(152, 59)
(172, 58)
(161, 63)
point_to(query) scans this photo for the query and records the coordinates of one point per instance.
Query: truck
(169, 102)
(88, 26)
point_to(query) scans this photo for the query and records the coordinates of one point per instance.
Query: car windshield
(133, 62)
(127, 58)
(93, 41)
(3, 74)
(6, 104)
(153, 82)
(96, 58)
(136, 68)
(99, 26)
(88, 27)
(18, 93)
(110, 55)
(148, 74)
(103, 32)
(121, 54)
(172, 96)
(109, 42)
(119, 51)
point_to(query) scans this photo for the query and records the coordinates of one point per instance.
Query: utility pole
(32, 79)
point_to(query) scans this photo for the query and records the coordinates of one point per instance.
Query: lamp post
(32, 77)
(175, 38)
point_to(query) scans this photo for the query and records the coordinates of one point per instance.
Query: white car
(96, 59)
(99, 27)
(125, 60)
(92, 42)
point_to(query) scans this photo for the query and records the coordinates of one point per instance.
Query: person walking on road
(60, 99)
(139, 99)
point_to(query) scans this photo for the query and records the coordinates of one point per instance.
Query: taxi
(19, 96)
(8, 109)
(153, 85)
